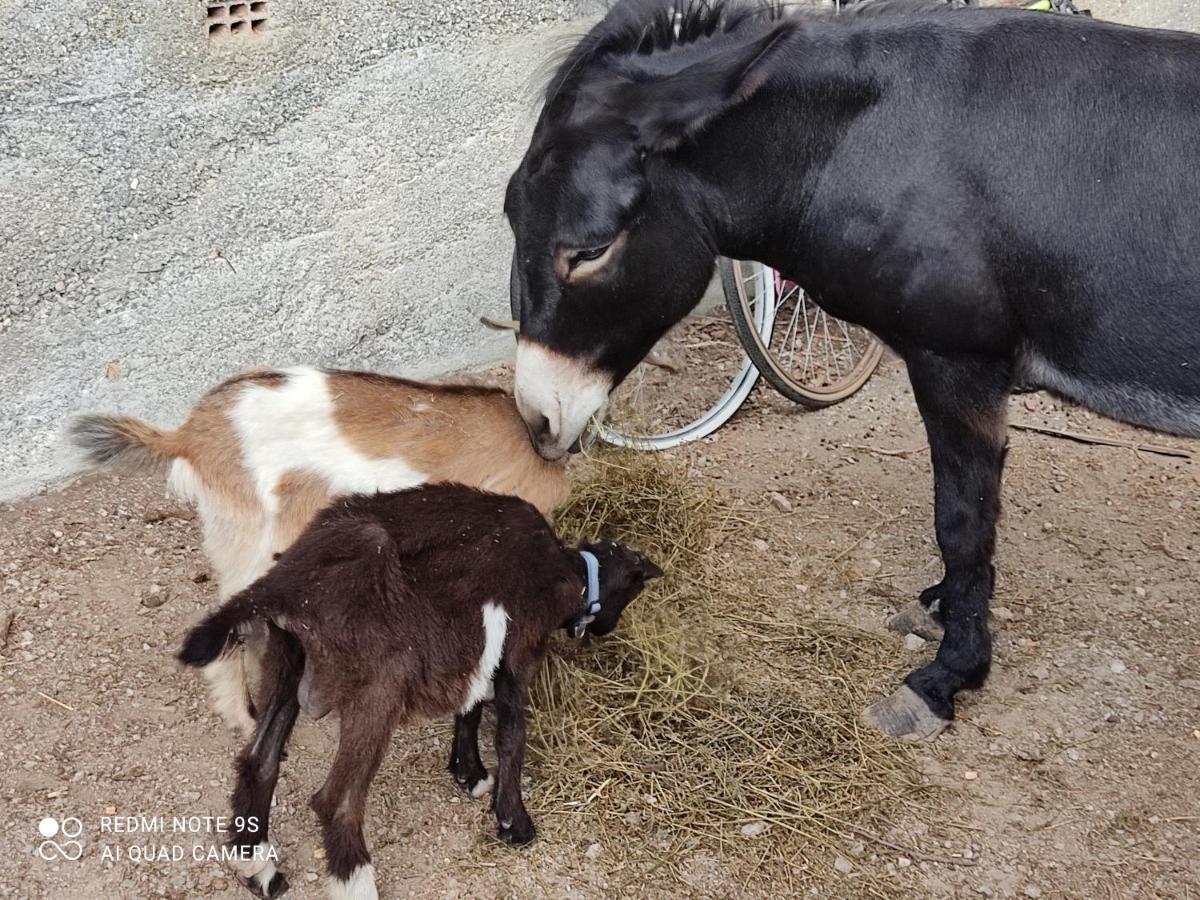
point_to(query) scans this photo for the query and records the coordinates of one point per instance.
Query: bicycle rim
(712, 419)
(807, 355)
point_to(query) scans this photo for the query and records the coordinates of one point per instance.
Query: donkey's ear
(666, 111)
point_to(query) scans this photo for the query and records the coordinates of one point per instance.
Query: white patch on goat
(359, 886)
(495, 629)
(237, 541)
(293, 427)
(567, 391)
(259, 866)
(483, 787)
(227, 690)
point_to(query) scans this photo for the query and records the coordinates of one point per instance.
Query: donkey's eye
(578, 263)
(590, 255)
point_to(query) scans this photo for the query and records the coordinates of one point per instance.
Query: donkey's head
(613, 244)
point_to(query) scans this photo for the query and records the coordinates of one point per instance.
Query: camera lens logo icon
(69, 828)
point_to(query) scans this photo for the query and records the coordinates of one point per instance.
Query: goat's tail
(121, 441)
(208, 640)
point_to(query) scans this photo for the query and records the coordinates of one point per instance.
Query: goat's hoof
(277, 886)
(518, 832)
(476, 782)
(916, 619)
(480, 787)
(906, 716)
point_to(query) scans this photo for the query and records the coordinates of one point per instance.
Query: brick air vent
(236, 20)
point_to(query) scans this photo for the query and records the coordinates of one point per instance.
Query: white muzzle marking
(566, 391)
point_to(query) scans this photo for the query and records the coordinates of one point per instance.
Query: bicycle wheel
(807, 355)
(703, 367)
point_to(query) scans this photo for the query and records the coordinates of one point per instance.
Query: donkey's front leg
(964, 404)
(511, 694)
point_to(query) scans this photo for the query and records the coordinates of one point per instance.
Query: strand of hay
(713, 707)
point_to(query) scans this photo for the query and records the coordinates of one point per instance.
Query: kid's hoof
(916, 619)
(476, 782)
(480, 788)
(517, 833)
(905, 715)
(276, 886)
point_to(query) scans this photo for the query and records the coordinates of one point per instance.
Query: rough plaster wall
(350, 170)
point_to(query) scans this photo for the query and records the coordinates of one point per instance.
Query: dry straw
(718, 718)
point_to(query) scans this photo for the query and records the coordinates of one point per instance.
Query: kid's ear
(650, 570)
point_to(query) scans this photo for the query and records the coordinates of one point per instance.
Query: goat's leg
(964, 404)
(340, 804)
(465, 765)
(516, 827)
(258, 770)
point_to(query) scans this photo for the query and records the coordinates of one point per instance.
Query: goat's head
(623, 574)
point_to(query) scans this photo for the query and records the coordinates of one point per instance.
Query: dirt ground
(1072, 774)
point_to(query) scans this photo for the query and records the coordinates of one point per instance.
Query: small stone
(593, 851)
(903, 862)
(984, 891)
(110, 810)
(858, 849)
(841, 864)
(200, 578)
(1003, 613)
(60, 286)
(913, 642)
(156, 595)
(1047, 526)
(319, 853)
(760, 545)
(1073, 755)
(310, 877)
(1116, 667)
(754, 829)
(780, 502)
(1140, 591)
(1032, 890)
(970, 775)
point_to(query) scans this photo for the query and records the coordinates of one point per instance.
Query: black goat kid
(398, 606)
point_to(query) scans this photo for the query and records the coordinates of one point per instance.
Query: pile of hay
(717, 717)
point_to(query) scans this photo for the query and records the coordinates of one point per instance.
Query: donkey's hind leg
(258, 770)
(963, 401)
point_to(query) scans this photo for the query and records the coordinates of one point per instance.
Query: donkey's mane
(644, 27)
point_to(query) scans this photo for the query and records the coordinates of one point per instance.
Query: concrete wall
(350, 169)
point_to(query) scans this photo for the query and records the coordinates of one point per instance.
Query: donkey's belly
(1155, 400)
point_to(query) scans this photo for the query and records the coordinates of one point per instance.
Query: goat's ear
(665, 111)
(650, 570)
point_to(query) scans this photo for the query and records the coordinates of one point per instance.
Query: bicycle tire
(713, 418)
(757, 345)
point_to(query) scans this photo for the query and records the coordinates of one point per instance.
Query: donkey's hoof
(906, 716)
(916, 619)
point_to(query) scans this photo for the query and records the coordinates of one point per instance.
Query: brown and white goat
(263, 452)
(396, 606)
